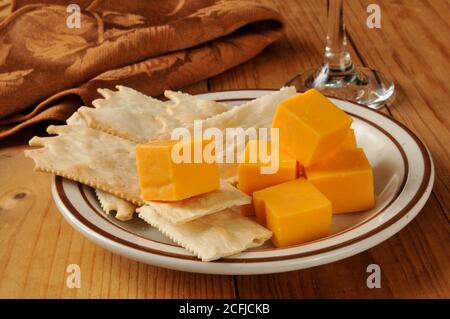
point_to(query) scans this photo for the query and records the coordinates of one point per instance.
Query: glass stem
(337, 57)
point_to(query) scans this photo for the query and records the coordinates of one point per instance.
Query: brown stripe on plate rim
(102, 214)
(425, 180)
(88, 224)
(405, 163)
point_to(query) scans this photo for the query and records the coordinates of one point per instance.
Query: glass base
(361, 85)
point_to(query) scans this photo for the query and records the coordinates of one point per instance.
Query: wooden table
(37, 244)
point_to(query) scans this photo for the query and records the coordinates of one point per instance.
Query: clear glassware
(338, 76)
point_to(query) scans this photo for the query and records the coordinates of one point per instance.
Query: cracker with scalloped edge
(257, 113)
(189, 209)
(90, 157)
(108, 163)
(108, 202)
(211, 237)
(186, 108)
(132, 115)
(76, 119)
(124, 209)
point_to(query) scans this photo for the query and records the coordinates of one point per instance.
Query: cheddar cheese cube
(311, 127)
(295, 211)
(346, 179)
(349, 140)
(300, 170)
(251, 174)
(163, 178)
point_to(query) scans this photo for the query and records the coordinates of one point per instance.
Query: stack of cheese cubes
(321, 171)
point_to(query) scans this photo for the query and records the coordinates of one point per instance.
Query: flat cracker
(76, 119)
(187, 108)
(211, 237)
(124, 209)
(196, 207)
(132, 115)
(257, 113)
(91, 157)
(108, 202)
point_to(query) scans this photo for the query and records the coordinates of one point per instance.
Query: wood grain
(37, 244)
(413, 48)
(415, 262)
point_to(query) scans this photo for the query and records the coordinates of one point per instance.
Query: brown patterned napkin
(47, 69)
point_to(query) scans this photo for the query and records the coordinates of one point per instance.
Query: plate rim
(82, 190)
(410, 207)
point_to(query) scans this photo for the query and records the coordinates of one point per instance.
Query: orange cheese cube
(252, 177)
(346, 179)
(300, 170)
(311, 127)
(295, 212)
(349, 140)
(165, 179)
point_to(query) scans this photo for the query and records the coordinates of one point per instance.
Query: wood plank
(38, 244)
(412, 46)
(414, 263)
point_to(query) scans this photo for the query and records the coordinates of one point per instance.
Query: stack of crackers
(97, 148)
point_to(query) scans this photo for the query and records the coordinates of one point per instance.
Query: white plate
(404, 176)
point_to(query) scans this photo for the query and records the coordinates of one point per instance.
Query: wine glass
(338, 77)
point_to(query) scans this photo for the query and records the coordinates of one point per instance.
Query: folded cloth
(48, 67)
